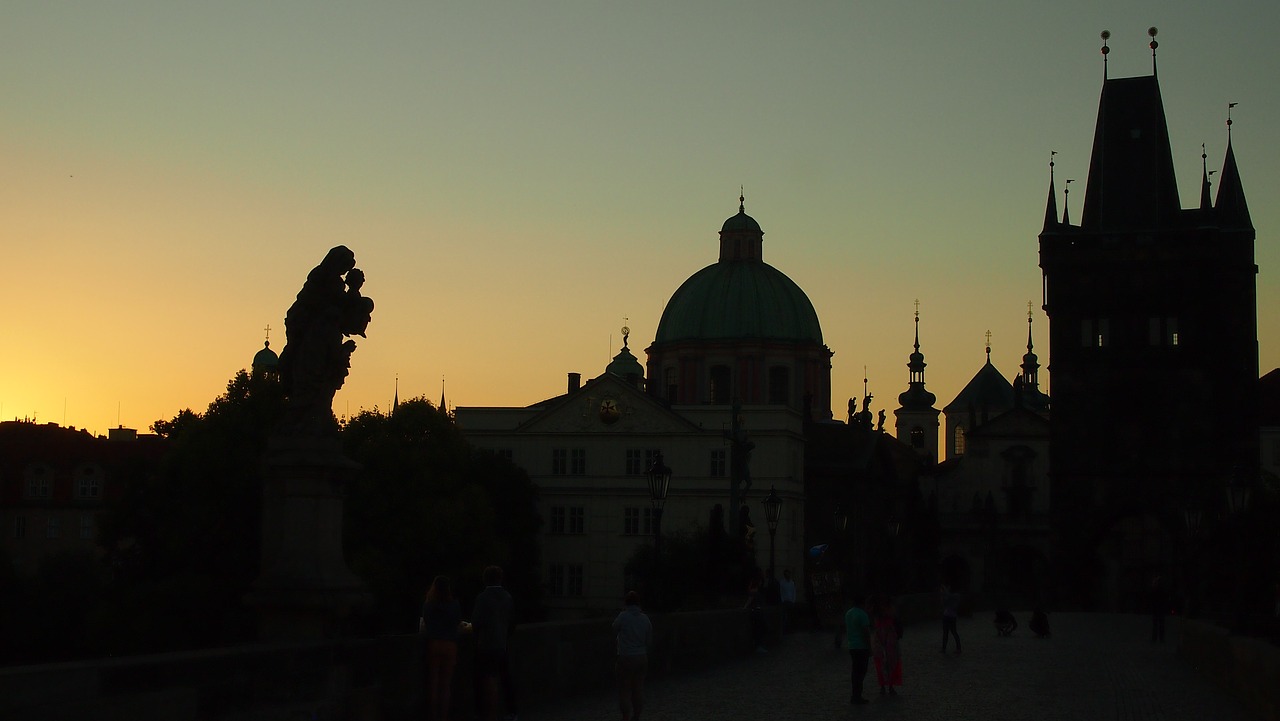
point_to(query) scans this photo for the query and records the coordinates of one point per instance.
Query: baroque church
(736, 370)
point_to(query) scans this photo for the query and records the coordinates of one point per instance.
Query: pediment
(608, 405)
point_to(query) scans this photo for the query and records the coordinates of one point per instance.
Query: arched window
(669, 382)
(959, 441)
(720, 385)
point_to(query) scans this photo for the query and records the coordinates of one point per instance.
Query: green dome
(741, 223)
(739, 300)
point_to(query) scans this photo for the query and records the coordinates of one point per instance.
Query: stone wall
(365, 679)
(1246, 667)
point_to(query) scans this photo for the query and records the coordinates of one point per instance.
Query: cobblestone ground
(1096, 666)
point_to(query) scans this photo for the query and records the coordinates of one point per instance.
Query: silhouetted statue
(316, 358)
(853, 410)
(747, 529)
(880, 424)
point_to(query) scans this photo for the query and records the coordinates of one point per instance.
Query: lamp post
(772, 509)
(659, 478)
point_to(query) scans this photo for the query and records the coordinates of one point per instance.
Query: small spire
(395, 401)
(988, 347)
(742, 199)
(1106, 35)
(1051, 205)
(1029, 314)
(1205, 202)
(864, 381)
(1231, 209)
(917, 346)
(1153, 45)
(1066, 201)
(443, 407)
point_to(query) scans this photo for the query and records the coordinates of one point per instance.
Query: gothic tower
(1153, 341)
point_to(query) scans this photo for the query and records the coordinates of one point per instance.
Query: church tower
(1153, 336)
(917, 419)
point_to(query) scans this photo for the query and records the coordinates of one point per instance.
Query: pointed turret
(1030, 386)
(1051, 206)
(917, 419)
(1232, 210)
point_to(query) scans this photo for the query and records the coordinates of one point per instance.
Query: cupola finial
(1106, 35)
(988, 347)
(742, 199)
(1153, 45)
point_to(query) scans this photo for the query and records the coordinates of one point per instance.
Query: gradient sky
(516, 178)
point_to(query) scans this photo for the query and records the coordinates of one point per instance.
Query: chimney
(575, 381)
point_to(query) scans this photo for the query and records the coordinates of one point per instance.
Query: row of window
(573, 461)
(720, 384)
(41, 487)
(52, 527)
(571, 520)
(1161, 331)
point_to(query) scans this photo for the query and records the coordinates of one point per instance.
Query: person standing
(440, 623)
(787, 592)
(950, 611)
(635, 638)
(493, 621)
(857, 629)
(885, 647)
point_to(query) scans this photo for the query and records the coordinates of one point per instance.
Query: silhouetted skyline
(517, 181)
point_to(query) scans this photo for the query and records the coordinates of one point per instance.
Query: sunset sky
(517, 178)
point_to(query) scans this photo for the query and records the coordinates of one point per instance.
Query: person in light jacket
(635, 638)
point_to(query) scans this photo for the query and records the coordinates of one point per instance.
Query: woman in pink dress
(885, 648)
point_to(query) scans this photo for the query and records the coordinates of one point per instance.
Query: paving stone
(1096, 666)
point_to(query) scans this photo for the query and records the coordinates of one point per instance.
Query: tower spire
(1066, 201)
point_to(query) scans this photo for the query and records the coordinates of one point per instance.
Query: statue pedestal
(304, 588)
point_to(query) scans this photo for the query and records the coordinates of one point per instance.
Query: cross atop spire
(988, 346)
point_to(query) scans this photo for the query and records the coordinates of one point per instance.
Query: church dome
(266, 359)
(740, 297)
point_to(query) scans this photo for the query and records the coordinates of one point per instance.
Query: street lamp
(659, 477)
(772, 509)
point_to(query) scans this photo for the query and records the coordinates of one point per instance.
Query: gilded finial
(626, 331)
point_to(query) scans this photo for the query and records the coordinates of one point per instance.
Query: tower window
(959, 444)
(1163, 331)
(779, 385)
(719, 463)
(720, 377)
(1095, 333)
(669, 381)
(917, 438)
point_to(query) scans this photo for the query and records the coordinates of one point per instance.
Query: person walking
(950, 611)
(857, 629)
(885, 646)
(635, 638)
(493, 620)
(440, 624)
